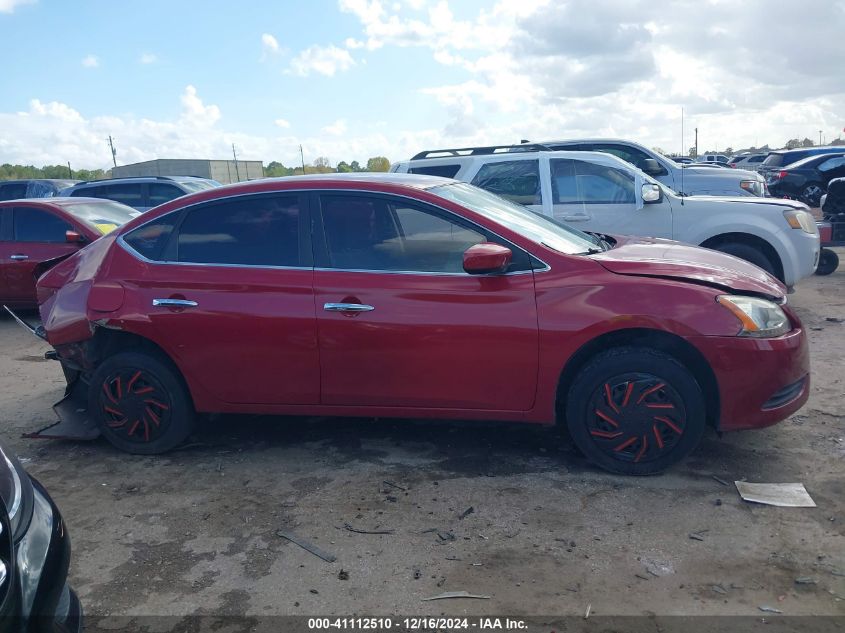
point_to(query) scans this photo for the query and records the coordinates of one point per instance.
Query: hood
(779, 203)
(652, 257)
(716, 172)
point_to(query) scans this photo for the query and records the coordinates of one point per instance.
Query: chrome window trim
(140, 257)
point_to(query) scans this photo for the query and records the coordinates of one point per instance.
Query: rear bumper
(760, 381)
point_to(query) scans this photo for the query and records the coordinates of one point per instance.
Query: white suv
(598, 192)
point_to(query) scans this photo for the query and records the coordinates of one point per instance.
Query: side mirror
(651, 193)
(75, 238)
(486, 258)
(652, 167)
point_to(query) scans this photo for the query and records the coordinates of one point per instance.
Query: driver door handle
(347, 307)
(18, 258)
(175, 303)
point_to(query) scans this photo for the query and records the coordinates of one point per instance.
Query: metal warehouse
(225, 171)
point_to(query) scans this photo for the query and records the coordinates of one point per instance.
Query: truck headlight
(759, 318)
(803, 220)
(754, 187)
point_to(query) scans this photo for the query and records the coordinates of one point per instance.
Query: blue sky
(350, 79)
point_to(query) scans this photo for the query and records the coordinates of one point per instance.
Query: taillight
(781, 175)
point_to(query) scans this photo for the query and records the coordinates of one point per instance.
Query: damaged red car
(414, 296)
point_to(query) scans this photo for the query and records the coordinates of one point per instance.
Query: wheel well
(670, 344)
(751, 240)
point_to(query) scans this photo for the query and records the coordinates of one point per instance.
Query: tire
(635, 411)
(828, 262)
(811, 194)
(750, 254)
(140, 403)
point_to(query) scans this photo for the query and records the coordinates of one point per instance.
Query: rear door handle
(175, 303)
(347, 307)
(18, 258)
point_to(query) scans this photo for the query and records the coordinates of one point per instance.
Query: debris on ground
(445, 536)
(310, 547)
(766, 609)
(698, 536)
(343, 575)
(393, 485)
(783, 495)
(417, 574)
(349, 528)
(806, 580)
(587, 612)
(657, 567)
(455, 594)
(463, 515)
(719, 589)
(834, 320)
(720, 480)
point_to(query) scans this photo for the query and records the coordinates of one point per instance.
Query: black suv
(783, 157)
(33, 188)
(142, 193)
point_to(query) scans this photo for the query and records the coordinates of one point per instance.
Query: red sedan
(37, 232)
(418, 297)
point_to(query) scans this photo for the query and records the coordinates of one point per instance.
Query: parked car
(597, 191)
(713, 158)
(684, 179)
(712, 165)
(34, 188)
(832, 227)
(420, 297)
(682, 160)
(141, 193)
(37, 233)
(778, 159)
(807, 179)
(747, 161)
(34, 556)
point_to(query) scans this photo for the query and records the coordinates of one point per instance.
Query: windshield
(192, 186)
(533, 226)
(103, 216)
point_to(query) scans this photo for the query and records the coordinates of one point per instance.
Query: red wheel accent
(623, 417)
(135, 404)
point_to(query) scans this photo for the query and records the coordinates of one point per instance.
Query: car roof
(417, 181)
(59, 201)
(68, 181)
(131, 179)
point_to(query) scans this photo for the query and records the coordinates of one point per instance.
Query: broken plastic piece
(783, 495)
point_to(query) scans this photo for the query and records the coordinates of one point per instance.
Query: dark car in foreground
(807, 179)
(142, 193)
(417, 297)
(780, 158)
(33, 188)
(37, 233)
(34, 557)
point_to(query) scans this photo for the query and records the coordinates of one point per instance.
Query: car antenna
(682, 153)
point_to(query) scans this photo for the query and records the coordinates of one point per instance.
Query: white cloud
(326, 61)
(148, 58)
(90, 61)
(282, 123)
(338, 128)
(269, 46)
(195, 112)
(8, 6)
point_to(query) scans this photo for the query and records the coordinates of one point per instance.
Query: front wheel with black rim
(140, 403)
(828, 262)
(811, 194)
(635, 411)
(750, 254)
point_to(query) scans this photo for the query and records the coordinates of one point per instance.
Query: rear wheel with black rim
(140, 403)
(811, 194)
(635, 411)
(828, 262)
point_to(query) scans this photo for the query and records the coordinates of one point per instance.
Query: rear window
(149, 240)
(445, 171)
(103, 216)
(192, 186)
(773, 160)
(517, 181)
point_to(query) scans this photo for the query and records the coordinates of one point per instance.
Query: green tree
(343, 167)
(378, 163)
(354, 166)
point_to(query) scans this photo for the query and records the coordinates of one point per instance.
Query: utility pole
(820, 137)
(696, 142)
(235, 156)
(69, 170)
(302, 156)
(113, 151)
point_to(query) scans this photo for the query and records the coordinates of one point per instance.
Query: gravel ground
(506, 511)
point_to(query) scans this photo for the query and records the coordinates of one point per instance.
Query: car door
(227, 290)
(603, 198)
(37, 234)
(402, 325)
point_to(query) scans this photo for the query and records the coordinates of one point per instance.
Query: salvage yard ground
(195, 531)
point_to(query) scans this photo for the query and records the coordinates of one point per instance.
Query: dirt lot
(194, 532)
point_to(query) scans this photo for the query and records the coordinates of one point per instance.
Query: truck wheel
(811, 195)
(140, 403)
(828, 262)
(750, 254)
(635, 411)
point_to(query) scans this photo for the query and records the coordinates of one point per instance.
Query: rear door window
(150, 239)
(832, 163)
(445, 171)
(37, 225)
(159, 193)
(576, 181)
(257, 231)
(130, 194)
(517, 181)
(13, 191)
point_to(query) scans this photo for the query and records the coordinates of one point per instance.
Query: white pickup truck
(598, 192)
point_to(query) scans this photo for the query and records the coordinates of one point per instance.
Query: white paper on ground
(784, 495)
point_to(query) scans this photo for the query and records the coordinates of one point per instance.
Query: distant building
(225, 171)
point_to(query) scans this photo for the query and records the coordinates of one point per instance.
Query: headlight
(798, 219)
(759, 318)
(16, 493)
(754, 187)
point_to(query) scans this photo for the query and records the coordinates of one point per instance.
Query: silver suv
(141, 193)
